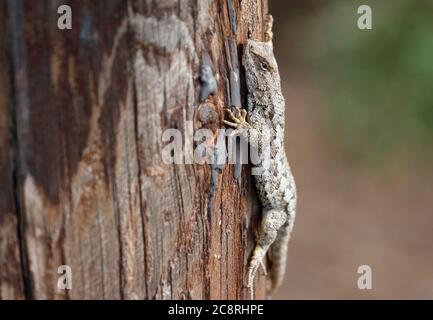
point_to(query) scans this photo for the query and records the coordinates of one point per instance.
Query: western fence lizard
(275, 185)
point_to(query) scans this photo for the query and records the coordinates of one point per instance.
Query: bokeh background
(359, 137)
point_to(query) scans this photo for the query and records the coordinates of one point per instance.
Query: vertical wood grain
(82, 178)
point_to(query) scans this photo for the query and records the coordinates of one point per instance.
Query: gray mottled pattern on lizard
(275, 185)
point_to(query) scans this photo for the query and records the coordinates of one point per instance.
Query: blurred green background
(359, 136)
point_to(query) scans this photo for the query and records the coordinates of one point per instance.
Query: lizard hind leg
(273, 220)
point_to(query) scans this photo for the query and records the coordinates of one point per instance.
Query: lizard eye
(264, 66)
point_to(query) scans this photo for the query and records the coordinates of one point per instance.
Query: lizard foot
(238, 119)
(252, 270)
(254, 265)
(268, 28)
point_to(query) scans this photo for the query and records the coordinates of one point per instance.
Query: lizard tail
(279, 255)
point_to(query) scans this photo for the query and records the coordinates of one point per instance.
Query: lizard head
(261, 70)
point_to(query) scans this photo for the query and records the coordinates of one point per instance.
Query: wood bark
(83, 183)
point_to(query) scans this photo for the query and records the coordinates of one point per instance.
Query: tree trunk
(83, 183)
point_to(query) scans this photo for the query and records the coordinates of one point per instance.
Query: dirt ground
(348, 216)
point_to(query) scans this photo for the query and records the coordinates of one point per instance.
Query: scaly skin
(275, 185)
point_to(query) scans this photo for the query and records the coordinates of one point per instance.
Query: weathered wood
(82, 178)
(11, 278)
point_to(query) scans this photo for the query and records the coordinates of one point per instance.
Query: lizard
(275, 186)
